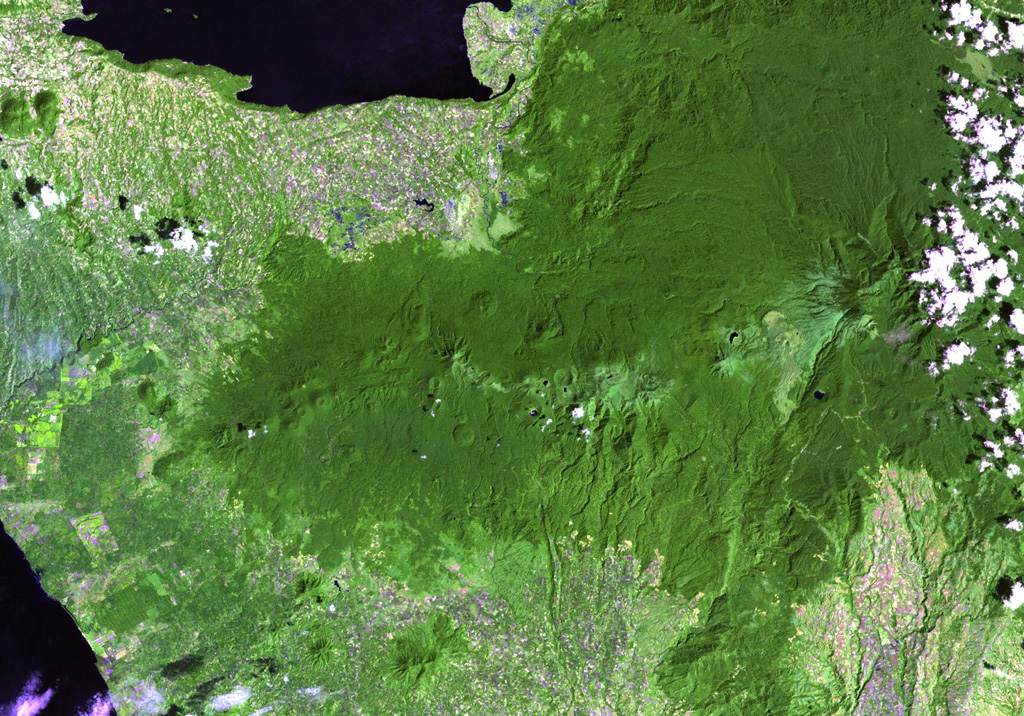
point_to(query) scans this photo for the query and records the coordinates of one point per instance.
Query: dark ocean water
(305, 54)
(43, 656)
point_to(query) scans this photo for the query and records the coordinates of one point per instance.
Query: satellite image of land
(680, 377)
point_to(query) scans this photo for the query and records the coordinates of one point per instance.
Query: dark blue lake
(305, 54)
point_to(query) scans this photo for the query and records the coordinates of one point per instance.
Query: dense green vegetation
(18, 120)
(1010, 8)
(47, 108)
(721, 215)
(670, 323)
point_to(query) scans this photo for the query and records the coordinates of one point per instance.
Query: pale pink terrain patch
(856, 638)
(154, 443)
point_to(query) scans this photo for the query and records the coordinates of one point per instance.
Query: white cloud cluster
(51, 197)
(184, 240)
(48, 197)
(948, 268)
(240, 695)
(974, 264)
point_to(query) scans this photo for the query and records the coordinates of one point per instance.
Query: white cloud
(229, 700)
(1017, 320)
(184, 240)
(963, 14)
(1016, 35)
(32, 699)
(1016, 597)
(49, 196)
(957, 353)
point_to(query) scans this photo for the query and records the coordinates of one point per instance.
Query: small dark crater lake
(305, 54)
